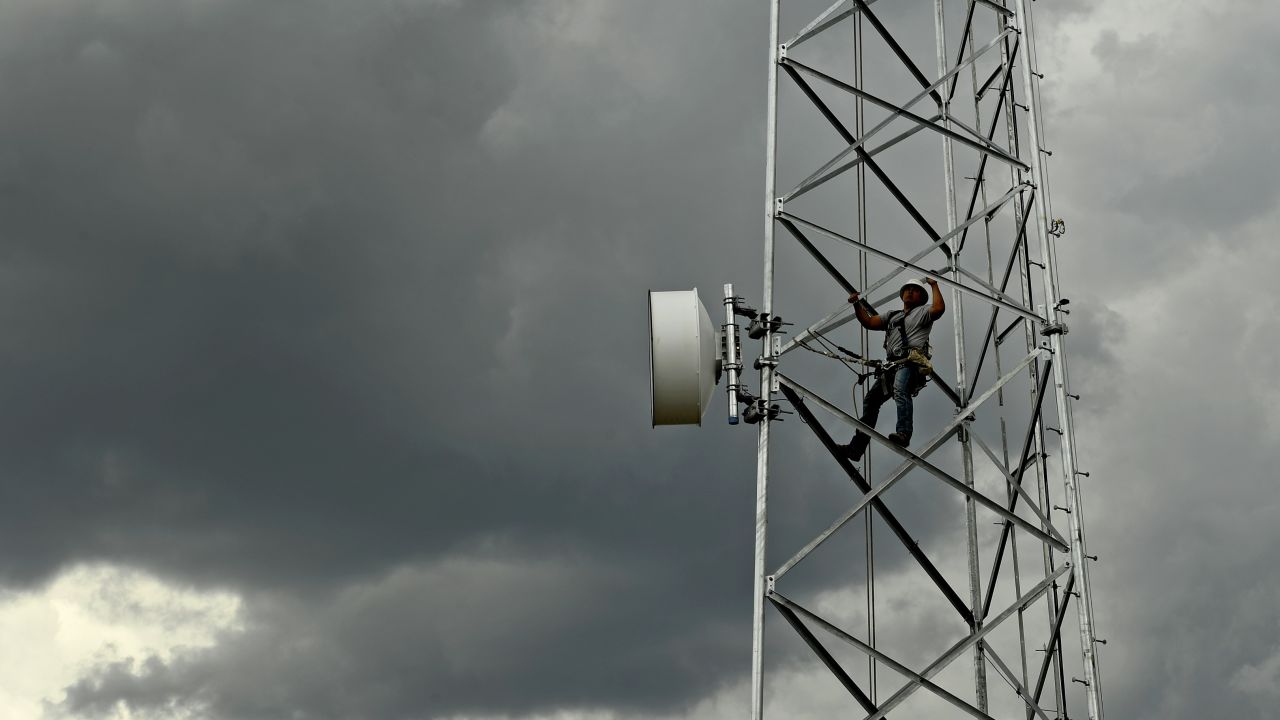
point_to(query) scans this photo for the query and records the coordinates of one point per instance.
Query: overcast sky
(324, 375)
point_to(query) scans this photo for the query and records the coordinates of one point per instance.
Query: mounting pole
(732, 363)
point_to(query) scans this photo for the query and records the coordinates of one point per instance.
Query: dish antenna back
(688, 355)
(684, 357)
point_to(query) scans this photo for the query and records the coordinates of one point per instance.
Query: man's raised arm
(866, 319)
(939, 307)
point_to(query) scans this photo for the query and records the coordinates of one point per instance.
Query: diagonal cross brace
(782, 602)
(1009, 476)
(981, 144)
(892, 42)
(848, 286)
(942, 279)
(823, 22)
(840, 316)
(818, 257)
(946, 389)
(1051, 537)
(823, 654)
(912, 547)
(855, 144)
(1005, 72)
(904, 468)
(1033, 707)
(863, 155)
(995, 291)
(819, 179)
(965, 36)
(836, 318)
(1017, 481)
(1018, 245)
(1000, 9)
(988, 211)
(1054, 638)
(837, 172)
(963, 645)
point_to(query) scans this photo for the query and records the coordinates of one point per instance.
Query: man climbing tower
(907, 364)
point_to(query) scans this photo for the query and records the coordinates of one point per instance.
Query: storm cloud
(338, 307)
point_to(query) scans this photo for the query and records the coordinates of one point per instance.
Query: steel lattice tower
(1020, 626)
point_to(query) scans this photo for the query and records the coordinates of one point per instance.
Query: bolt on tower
(906, 140)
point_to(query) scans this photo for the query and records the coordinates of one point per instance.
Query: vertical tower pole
(957, 321)
(760, 582)
(1092, 679)
(1040, 467)
(860, 178)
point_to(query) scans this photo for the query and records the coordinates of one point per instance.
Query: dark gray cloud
(310, 293)
(340, 306)
(200, 325)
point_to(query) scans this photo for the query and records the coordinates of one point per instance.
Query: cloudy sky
(324, 364)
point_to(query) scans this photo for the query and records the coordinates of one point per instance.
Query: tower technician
(906, 366)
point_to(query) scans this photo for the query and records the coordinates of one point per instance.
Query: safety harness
(919, 356)
(880, 369)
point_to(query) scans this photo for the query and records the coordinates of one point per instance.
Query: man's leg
(903, 381)
(876, 396)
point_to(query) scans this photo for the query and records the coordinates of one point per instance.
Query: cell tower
(1007, 456)
(988, 491)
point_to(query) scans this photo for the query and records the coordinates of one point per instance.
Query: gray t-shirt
(907, 331)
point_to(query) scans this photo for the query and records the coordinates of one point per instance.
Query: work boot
(852, 451)
(899, 439)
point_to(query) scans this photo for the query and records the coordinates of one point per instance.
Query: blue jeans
(900, 387)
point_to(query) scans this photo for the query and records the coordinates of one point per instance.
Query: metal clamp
(763, 324)
(760, 410)
(777, 352)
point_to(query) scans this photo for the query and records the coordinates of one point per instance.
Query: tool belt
(921, 359)
(915, 356)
